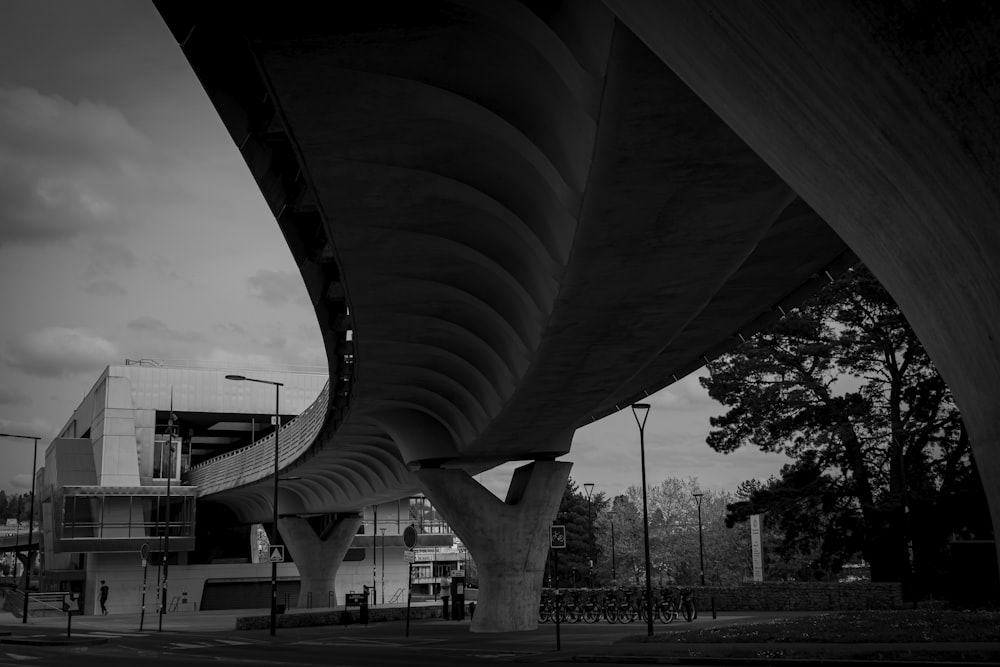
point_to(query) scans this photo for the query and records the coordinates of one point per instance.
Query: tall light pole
(641, 411)
(274, 501)
(165, 554)
(614, 574)
(589, 488)
(383, 564)
(701, 543)
(31, 517)
(17, 539)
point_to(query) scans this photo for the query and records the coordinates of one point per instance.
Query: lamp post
(165, 554)
(17, 541)
(277, 428)
(383, 564)
(641, 411)
(589, 488)
(31, 518)
(614, 574)
(701, 543)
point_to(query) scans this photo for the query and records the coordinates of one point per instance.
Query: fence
(39, 604)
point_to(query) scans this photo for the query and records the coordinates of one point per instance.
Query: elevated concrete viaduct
(514, 218)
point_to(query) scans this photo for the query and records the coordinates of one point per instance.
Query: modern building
(117, 503)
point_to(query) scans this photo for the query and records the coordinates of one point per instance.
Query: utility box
(457, 596)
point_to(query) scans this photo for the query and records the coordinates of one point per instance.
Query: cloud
(57, 352)
(231, 327)
(276, 288)
(687, 393)
(62, 166)
(20, 484)
(164, 269)
(228, 359)
(105, 288)
(154, 327)
(13, 398)
(107, 258)
(31, 428)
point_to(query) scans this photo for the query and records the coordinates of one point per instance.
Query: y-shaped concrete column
(318, 557)
(509, 540)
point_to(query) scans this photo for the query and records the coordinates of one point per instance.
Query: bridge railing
(256, 461)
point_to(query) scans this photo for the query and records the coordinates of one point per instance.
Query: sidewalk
(790, 654)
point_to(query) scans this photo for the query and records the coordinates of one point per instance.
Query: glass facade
(108, 519)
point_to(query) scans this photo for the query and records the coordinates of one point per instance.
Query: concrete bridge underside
(515, 218)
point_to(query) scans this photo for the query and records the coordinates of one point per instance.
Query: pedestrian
(104, 597)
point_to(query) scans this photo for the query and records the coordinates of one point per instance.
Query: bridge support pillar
(509, 540)
(318, 557)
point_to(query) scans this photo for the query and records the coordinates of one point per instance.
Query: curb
(54, 641)
(755, 662)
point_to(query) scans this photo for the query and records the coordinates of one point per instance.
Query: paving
(578, 643)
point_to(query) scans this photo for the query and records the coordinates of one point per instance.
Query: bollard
(309, 600)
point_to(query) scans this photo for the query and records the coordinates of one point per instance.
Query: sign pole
(409, 541)
(557, 541)
(558, 600)
(144, 553)
(409, 587)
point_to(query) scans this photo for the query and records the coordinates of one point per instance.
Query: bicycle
(687, 608)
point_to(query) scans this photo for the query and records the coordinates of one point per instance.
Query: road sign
(557, 537)
(277, 552)
(409, 557)
(144, 551)
(410, 537)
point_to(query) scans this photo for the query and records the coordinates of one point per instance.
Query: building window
(180, 457)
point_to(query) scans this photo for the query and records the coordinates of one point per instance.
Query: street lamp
(589, 488)
(383, 564)
(17, 540)
(31, 517)
(701, 543)
(277, 428)
(642, 410)
(165, 554)
(614, 573)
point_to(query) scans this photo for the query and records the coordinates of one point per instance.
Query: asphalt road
(436, 643)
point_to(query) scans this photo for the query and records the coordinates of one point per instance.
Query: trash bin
(445, 612)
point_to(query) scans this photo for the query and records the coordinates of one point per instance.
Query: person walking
(104, 597)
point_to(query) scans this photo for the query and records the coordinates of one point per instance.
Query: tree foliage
(882, 458)
(618, 550)
(576, 561)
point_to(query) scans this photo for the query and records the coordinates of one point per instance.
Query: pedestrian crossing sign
(277, 553)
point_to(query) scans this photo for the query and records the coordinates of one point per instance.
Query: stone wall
(340, 616)
(796, 596)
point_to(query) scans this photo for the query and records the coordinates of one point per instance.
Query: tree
(581, 549)
(673, 531)
(843, 386)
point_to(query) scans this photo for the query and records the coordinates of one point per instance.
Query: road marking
(356, 641)
(18, 656)
(233, 642)
(186, 646)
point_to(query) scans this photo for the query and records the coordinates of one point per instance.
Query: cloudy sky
(131, 228)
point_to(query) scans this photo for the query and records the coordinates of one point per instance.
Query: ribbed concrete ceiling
(524, 218)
